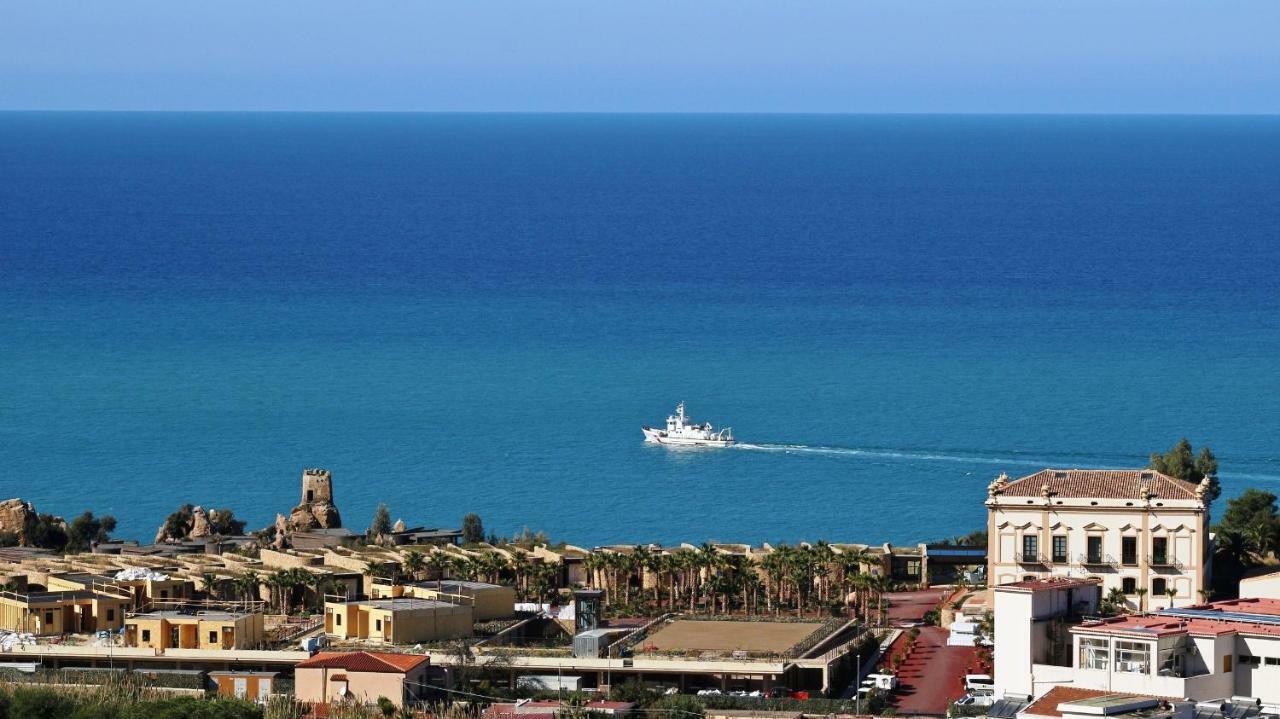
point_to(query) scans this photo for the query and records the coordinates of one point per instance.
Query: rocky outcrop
(16, 516)
(316, 510)
(199, 524)
(281, 538)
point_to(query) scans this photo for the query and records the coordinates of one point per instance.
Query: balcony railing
(1097, 560)
(1163, 560)
(1031, 558)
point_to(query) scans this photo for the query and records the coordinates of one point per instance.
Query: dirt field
(684, 634)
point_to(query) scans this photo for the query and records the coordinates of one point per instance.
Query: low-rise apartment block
(397, 620)
(195, 630)
(55, 613)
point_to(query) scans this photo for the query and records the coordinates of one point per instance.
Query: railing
(1030, 558)
(1097, 559)
(1163, 560)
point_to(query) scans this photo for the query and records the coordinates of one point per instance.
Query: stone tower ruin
(316, 510)
(317, 487)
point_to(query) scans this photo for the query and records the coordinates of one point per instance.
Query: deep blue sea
(461, 313)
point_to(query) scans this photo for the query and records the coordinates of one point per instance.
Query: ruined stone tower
(316, 510)
(317, 486)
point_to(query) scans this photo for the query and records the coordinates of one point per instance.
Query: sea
(477, 313)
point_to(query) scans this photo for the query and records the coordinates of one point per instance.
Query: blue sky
(1210, 56)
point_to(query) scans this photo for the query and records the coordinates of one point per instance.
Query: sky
(943, 56)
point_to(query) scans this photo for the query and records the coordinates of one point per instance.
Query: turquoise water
(477, 313)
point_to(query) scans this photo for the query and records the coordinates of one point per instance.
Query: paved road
(933, 676)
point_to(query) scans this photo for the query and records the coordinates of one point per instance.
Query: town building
(244, 684)
(1032, 622)
(1213, 651)
(546, 709)
(397, 620)
(1137, 531)
(173, 629)
(63, 612)
(361, 677)
(489, 601)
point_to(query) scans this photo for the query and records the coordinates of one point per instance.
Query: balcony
(1097, 560)
(1031, 558)
(1163, 560)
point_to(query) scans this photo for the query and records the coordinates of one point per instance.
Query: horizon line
(810, 113)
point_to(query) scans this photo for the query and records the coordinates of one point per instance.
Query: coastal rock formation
(281, 538)
(199, 524)
(316, 510)
(15, 516)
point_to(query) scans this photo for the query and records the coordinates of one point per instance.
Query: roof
(1047, 705)
(402, 604)
(1049, 584)
(1100, 484)
(171, 614)
(383, 662)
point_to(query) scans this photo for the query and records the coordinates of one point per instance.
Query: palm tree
(520, 566)
(412, 563)
(247, 585)
(1142, 594)
(209, 583)
(1170, 592)
(438, 563)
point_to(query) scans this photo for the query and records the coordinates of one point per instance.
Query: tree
(223, 522)
(381, 526)
(412, 563)
(88, 530)
(1182, 462)
(472, 529)
(48, 532)
(178, 524)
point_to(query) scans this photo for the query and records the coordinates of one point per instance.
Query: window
(1030, 547)
(1273, 661)
(337, 619)
(1160, 550)
(111, 615)
(377, 625)
(1129, 585)
(1094, 549)
(1093, 653)
(1158, 586)
(213, 637)
(146, 635)
(1248, 660)
(164, 593)
(1133, 657)
(1059, 548)
(48, 618)
(1128, 550)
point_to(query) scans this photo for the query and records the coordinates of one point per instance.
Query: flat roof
(1044, 585)
(177, 614)
(399, 603)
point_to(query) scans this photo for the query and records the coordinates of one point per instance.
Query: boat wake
(906, 455)
(1011, 460)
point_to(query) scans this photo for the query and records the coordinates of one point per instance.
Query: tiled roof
(385, 662)
(1101, 484)
(1048, 583)
(1047, 705)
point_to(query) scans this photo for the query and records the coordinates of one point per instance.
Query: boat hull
(657, 436)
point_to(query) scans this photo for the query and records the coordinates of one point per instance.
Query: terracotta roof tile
(1047, 705)
(385, 662)
(1100, 483)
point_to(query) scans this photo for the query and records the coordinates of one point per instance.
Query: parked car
(708, 692)
(976, 700)
(974, 683)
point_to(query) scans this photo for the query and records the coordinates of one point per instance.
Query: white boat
(682, 431)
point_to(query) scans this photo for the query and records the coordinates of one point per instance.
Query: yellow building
(194, 630)
(145, 590)
(53, 613)
(489, 601)
(399, 620)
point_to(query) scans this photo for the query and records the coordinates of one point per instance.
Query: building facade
(361, 677)
(1137, 531)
